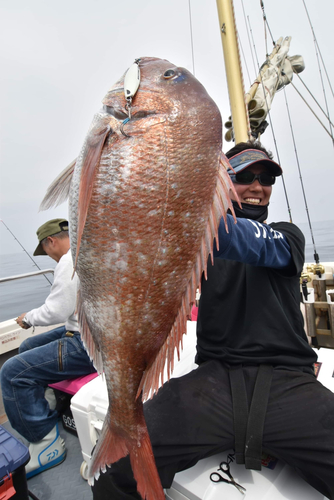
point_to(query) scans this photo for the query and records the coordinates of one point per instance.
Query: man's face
(254, 193)
(50, 249)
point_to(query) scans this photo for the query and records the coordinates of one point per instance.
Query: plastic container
(64, 391)
(13, 458)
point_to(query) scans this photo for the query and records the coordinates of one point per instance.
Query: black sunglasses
(247, 177)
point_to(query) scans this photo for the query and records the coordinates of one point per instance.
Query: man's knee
(11, 369)
(24, 346)
(6, 373)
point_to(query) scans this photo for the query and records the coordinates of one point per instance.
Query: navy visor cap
(251, 156)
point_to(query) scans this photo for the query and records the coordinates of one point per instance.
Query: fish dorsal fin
(91, 346)
(59, 189)
(91, 158)
(152, 377)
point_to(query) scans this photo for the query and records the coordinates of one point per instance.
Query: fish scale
(146, 198)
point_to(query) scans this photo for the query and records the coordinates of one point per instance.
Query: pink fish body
(144, 209)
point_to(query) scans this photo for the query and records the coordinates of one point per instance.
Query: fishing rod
(317, 52)
(35, 263)
(316, 255)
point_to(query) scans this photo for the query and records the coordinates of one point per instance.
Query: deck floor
(63, 481)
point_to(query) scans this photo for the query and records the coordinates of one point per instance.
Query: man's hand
(22, 323)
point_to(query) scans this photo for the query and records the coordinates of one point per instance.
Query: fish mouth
(122, 115)
(119, 114)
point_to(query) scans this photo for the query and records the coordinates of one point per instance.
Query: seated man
(254, 389)
(46, 358)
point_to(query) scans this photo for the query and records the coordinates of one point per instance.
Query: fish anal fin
(91, 158)
(59, 189)
(88, 340)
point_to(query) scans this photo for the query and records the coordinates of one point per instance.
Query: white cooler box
(89, 407)
(90, 404)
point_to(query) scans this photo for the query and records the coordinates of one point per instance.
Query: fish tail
(145, 470)
(112, 446)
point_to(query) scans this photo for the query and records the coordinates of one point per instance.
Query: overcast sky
(58, 59)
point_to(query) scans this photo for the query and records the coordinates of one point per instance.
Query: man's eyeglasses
(247, 177)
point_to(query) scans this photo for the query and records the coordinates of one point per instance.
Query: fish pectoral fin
(90, 162)
(87, 338)
(58, 190)
(225, 185)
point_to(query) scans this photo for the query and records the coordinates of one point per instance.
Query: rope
(316, 256)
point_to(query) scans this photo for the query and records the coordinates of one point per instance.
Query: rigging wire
(317, 50)
(35, 263)
(317, 117)
(249, 41)
(323, 63)
(316, 256)
(191, 38)
(264, 27)
(266, 24)
(273, 133)
(245, 60)
(317, 103)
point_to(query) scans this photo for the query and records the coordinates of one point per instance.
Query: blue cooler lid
(13, 453)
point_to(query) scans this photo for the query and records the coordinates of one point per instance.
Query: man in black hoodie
(254, 389)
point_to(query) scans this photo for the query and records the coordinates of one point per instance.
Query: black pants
(191, 418)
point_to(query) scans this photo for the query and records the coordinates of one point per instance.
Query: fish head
(166, 93)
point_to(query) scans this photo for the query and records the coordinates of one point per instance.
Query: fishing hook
(124, 123)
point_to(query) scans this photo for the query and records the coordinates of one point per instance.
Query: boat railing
(26, 275)
(11, 334)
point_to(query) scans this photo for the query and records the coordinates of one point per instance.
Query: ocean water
(323, 233)
(19, 296)
(23, 295)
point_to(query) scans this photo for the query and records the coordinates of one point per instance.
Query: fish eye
(169, 74)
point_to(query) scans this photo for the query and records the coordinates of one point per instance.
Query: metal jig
(131, 84)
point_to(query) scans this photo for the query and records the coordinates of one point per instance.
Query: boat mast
(233, 71)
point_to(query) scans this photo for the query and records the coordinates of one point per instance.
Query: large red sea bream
(146, 197)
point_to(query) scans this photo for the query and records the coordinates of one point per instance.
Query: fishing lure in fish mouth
(131, 84)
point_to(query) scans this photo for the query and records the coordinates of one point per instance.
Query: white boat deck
(89, 407)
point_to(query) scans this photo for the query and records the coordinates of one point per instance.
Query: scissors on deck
(225, 468)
